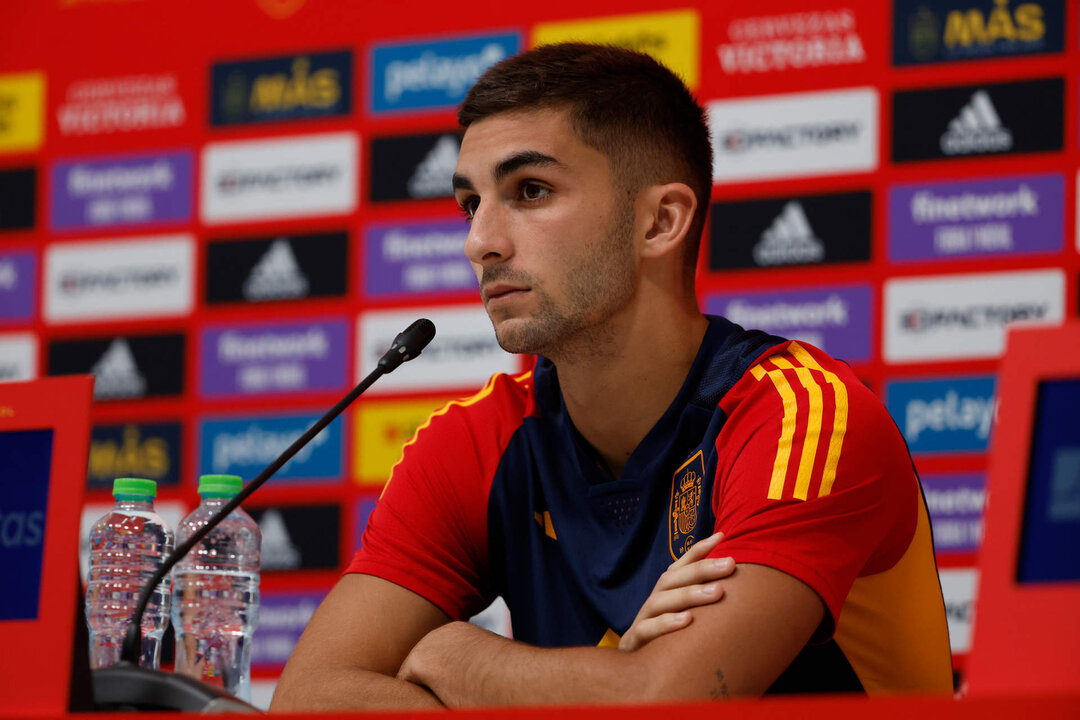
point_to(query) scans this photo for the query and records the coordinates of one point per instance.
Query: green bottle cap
(134, 486)
(218, 486)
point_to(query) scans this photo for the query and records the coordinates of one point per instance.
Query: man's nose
(488, 240)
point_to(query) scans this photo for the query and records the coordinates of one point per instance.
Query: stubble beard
(599, 286)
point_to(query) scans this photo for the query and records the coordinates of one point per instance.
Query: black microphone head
(408, 344)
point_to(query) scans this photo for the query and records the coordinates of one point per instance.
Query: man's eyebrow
(523, 159)
(460, 182)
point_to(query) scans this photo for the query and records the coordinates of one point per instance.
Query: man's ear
(668, 214)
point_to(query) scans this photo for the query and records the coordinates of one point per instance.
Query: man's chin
(518, 336)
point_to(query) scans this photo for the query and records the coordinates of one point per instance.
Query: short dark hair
(624, 103)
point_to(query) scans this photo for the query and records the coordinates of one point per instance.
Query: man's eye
(532, 191)
(468, 207)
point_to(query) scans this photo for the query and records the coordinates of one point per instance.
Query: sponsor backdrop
(229, 232)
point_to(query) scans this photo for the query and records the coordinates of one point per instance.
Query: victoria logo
(977, 129)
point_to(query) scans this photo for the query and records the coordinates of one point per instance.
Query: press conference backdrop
(225, 211)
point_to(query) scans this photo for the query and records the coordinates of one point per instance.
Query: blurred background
(226, 210)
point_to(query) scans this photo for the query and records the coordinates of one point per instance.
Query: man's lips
(497, 291)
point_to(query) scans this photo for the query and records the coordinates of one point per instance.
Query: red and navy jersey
(770, 441)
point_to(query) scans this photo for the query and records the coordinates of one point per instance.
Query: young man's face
(550, 238)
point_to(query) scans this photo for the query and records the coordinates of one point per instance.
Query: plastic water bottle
(127, 546)
(216, 592)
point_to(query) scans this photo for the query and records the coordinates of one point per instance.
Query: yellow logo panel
(382, 427)
(22, 102)
(673, 37)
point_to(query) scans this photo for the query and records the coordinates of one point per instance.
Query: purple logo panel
(282, 617)
(956, 510)
(17, 275)
(1021, 215)
(834, 319)
(278, 358)
(362, 509)
(127, 190)
(417, 257)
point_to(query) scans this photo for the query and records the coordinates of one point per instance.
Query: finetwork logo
(795, 41)
(433, 74)
(789, 240)
(794, 135)
(282, 619)
(956, 504)
(964, 316)
(276, 276)
(417, 257)
(17, 278)
(102, 106)
(977, 129)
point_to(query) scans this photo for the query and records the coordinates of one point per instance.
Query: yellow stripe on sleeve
(787, 428)
(836, 441)
(813, 429)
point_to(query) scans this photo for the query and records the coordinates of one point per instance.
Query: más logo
(1007, 216)
(463, 355)
(283, 267)
(22, 103)
(990, 119)
(101, 106)
(18, 356)
(835, 319)
(289, 87)
(417, 257)
(245, 445)
(964, 316)
(948, 30)
(124, 368)
(293, 177)
(794, 135)
(673, 37)
(382, 427)
(282, 619)
(413, 167)
(146, 450)
(129, 278)
(306, 537)
(944, 415)
(810, 229)
(273, 358)
(433, 74)
(18, 198)
(17, 277)
(956, 504)
(121, 191)
(793, 41)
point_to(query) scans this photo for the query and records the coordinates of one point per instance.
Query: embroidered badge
(685, 501)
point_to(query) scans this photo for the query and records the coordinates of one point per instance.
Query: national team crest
(685, 501)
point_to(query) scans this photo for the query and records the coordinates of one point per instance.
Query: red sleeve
(428, 532)
(814, 479)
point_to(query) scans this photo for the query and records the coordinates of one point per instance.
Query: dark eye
(468, 206)
(532, 191)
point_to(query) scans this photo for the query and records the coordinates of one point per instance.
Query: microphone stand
(128, 685)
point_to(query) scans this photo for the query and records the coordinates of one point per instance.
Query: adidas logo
(434, 175)
(277, 275)
(278, 550)
(116, 375)
(789, 240)
(977, 129)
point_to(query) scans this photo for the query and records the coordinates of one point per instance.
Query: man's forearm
(464, 665)
(351, 688)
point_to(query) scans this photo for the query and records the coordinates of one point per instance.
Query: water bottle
(216, 592)
(127, 546)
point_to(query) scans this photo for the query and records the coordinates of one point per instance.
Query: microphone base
(132, 687)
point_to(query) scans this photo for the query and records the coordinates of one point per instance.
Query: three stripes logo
(815, 432)
(789, 240)
(977, 129)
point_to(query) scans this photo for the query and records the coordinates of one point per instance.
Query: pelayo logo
(930, 31)
(834, 319)
(289, 87)
(417, 257)
(273, 358)
(944, 415)
(1006, 216)
(245, 445)
(433, 74)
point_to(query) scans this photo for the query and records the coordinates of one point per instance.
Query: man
(644, 427)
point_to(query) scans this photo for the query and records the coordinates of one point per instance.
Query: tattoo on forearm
(720, 692)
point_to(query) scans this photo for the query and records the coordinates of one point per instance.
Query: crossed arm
(373, 644)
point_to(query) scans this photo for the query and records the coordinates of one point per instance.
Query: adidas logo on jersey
(116, 375)
(434, 175)
(977, 129)
(278, 550)
(789, 240)
(276, 276)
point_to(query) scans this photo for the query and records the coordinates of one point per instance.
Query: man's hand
(688, 582)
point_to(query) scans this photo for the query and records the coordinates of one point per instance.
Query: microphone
(127, 685)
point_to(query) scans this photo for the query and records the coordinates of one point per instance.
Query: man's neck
(619, 390)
